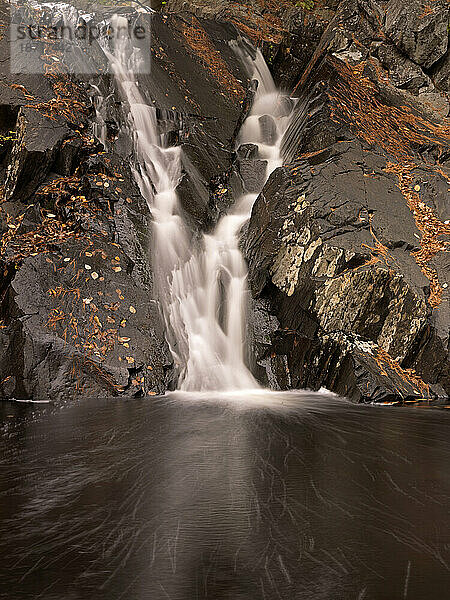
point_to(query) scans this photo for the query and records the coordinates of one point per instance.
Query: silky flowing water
(224, 497)
(202, 288)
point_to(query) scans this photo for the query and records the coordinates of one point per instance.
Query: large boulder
(39, 140)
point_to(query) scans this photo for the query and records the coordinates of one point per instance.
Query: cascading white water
(219, 364)
(203, 291)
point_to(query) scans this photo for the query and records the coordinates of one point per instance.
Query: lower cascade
(202, 288)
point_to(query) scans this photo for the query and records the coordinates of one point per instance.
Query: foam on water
(291, 401)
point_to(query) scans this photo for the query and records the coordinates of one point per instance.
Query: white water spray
(203, 290)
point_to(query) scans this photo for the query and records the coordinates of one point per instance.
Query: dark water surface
(292, 497)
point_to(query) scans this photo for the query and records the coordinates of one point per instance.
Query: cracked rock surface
(348, 243)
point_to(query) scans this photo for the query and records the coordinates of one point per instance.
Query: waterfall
(202, 288)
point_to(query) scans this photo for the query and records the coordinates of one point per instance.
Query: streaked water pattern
(242, 496)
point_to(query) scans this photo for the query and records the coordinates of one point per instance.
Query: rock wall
(348, 243)
(78, 316)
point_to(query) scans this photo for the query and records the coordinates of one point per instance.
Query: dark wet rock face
(419, 29)
(287, 31)
(35, 150)
(346, 245)
(78, 314)
(348, 242)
